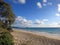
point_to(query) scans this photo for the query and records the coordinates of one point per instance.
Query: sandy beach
(22, 37)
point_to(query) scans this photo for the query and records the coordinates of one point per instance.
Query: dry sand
(22, 37)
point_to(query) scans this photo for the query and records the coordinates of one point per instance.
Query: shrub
(5, 37)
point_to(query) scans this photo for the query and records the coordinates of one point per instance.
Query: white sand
(53, 36)
(23, 37)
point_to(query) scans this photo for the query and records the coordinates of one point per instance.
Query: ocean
(48, 30)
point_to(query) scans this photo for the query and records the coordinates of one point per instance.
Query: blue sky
(36, 13)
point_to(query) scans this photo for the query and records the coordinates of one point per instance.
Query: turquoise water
(49, 30)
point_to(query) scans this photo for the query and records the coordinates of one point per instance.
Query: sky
(36, 13)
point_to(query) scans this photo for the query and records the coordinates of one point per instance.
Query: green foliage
(5, 37)
(1, 23)
(7, 14)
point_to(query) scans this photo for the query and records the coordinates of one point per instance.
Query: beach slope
(29, 38)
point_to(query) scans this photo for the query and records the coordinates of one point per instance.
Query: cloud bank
(22, 22)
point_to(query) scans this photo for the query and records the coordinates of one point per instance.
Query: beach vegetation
(5, 37)
(7, 18)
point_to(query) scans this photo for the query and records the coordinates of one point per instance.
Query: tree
(6, 15)
(5, 37)
(7, 18)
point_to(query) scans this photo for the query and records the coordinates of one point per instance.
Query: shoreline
(45, 34)
(34, 38)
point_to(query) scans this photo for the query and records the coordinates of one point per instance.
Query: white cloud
(46, 20)
(44, 1)
(54, 24)
(22, 22)
(57, 14)
(22, 1)
(58, 7)
(19, 18)
(39, 4)
(39, 22)
(48, 3)
(19, 1)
